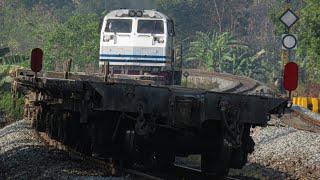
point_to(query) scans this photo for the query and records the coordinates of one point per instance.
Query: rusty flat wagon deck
(136, 120)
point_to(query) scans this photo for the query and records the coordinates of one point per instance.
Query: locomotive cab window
(151, 26)
(119, 25)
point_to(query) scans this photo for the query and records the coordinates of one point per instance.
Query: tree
(22, 29)
(76, 39)
(309, 39)
(214, 50)
(189, 16)
(223, 53)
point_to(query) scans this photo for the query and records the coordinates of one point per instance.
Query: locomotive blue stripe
(133, 56)
(136, 61)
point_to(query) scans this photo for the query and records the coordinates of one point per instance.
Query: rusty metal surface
(184, 106)
(141, 119)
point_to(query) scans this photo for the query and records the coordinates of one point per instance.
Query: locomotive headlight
(161, 40)
(107, 38)
(139, 13)
(132, 13)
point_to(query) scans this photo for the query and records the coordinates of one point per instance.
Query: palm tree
(214, 51)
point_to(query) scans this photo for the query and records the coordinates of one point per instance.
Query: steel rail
(176, 172)
(307, 118)
(245, 84)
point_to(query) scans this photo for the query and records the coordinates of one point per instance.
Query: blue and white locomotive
(137, 42)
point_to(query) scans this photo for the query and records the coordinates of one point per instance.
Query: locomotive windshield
(150, 26)
(119, 25)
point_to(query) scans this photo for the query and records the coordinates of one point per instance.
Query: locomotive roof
(146, 13)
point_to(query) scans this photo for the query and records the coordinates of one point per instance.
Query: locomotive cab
(138, 42)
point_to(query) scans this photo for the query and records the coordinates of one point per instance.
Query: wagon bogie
(147, 124)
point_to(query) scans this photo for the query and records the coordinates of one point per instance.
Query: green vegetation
(239, 37)
(77, 38)
(307, 31)
(213, 50)
(9, 109)
(309, 39)
(12, 109)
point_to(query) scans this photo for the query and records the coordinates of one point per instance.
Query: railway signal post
(36, 60)
(289, 44)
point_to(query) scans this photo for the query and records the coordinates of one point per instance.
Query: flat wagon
(136, 121)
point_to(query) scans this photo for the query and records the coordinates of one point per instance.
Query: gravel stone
(280, 153)
(291, 153)
(24, 156)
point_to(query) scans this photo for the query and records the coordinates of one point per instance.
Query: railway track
(137, 172)
(304, 122)
(176, 172)
(243, 85)
(246, 85)
(298, 120)
(57, 164)
(306, 118)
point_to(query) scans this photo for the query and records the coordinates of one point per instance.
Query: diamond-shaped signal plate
(288, 18)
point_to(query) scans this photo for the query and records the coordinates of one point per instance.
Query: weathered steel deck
(125, 95)
(142, 121)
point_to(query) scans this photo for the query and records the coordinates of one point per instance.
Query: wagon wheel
(56, 125)
(217, 161)
(73, 130)
(159, 160)
(49, 125)
(38, 118)
(65, 129)
(32, 114)
(52, 130)
(129, 147)
(240, 155)
(41, 119)
(165, 160)
(46, 122)
(85, 140)
(60, 127)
